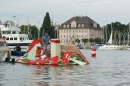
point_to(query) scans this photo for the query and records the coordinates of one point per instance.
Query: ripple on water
(108, 68)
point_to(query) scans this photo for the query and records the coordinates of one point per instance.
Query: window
(7, 38)
(79, 25)
(15, 38)
(95, 25)
(14, 32)
(20, 38)
(73, 24)
(11, 38)
(67, 26)
(8, 32)
(82, 25)
(3, 32)
(64, 26)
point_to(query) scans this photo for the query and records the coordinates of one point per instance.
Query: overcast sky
(101, 11)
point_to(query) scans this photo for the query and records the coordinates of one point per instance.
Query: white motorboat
(3, 48)
(11, 34)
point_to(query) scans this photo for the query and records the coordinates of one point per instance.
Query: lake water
(108, 68)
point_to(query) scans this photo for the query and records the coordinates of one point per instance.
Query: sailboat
(109, 45)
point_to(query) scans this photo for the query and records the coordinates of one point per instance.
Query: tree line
(33, 31)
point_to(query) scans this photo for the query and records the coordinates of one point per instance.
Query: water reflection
(56, 75)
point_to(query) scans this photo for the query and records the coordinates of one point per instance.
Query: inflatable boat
(18, 53)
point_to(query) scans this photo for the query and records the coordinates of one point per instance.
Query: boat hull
(128, 48)
(111, 47)
(3, 51)
(22, 45)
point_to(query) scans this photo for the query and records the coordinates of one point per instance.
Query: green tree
(91, 40)
(47, 27)
(84, 40)
(32, 31)
(78, 41)
(98, 40)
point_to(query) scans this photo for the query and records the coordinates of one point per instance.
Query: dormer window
(95, 25)
(73, 24)
(82, 25)
(64, 26)
(67, 26)
(79, 25)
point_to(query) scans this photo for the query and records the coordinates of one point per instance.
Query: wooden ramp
(76, 52)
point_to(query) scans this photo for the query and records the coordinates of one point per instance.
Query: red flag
(66, 57)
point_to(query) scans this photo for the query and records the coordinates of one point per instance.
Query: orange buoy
(93, 52)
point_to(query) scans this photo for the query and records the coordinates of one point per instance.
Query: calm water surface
(109, 68)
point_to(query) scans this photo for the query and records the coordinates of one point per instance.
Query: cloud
(106, 11)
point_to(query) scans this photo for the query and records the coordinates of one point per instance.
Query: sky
(33, 11)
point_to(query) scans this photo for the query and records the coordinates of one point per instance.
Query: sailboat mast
(119, 38)
(129, 34)
(106, 33)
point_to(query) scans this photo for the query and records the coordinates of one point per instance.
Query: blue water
(108, 68)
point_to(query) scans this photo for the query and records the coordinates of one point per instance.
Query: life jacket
(38, 52)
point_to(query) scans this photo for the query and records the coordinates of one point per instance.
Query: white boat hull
(111, 47)
(128, 48)
(3, 51)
